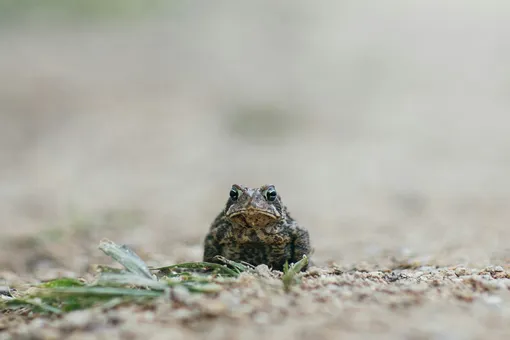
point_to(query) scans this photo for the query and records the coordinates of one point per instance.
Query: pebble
(493, 300)
(212, 307)
(229, 299)
(260, 298)
(78, 319)
(262, 318)
(264, 271)
(38, 323)
(181, 294)
(417, 288)
(428, 269)
(461, 271)
(185, 313)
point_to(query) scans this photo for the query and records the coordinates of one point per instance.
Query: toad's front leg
(212, 248)
(300, 245)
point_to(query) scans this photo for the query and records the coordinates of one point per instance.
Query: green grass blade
(99, 292)
(62, 282)
(207, 288)
(298, 266)
(290, 273)
(31, 304)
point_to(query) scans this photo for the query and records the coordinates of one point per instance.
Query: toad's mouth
(252, 212)
(253, 218)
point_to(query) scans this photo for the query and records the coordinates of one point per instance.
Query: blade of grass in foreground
(68, 299)
(62, 282)
(113, 287)
(31, 304)
(99, 291)
(289, 273)
(126, 257)
(239, 267)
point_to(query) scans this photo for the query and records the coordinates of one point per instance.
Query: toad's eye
(234, 194)
(271, 194)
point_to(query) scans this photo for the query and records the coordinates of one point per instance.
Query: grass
(134, 283)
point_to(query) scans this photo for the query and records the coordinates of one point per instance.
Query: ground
(385, 129)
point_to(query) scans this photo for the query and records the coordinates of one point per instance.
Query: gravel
(327, 301)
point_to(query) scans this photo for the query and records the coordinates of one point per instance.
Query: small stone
(500, 275)
(242, 310)
(181, 294)
(461, 271)
(428, 269)
(466, 296)
(78, 319)
(488, 269)
(494, 285)
(314, 271)
(498, 269)
(229, 299)
(448, 273)
(37, 324)
(418, 288)
(417, 274)
(263, 270)
(147, 316)
(5, 291)
(375, 274)
(261, 318)
(49, 334)
(493, 300)
(213, 307)
(186, 314)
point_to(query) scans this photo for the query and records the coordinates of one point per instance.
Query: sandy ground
(384, 127)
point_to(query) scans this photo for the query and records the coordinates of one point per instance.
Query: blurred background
(384, 126)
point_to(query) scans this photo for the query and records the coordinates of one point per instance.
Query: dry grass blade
(239, 267)
(100, 268)
(203, 266)
(126, 257)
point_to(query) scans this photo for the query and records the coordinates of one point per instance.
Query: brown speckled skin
(254, 229)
